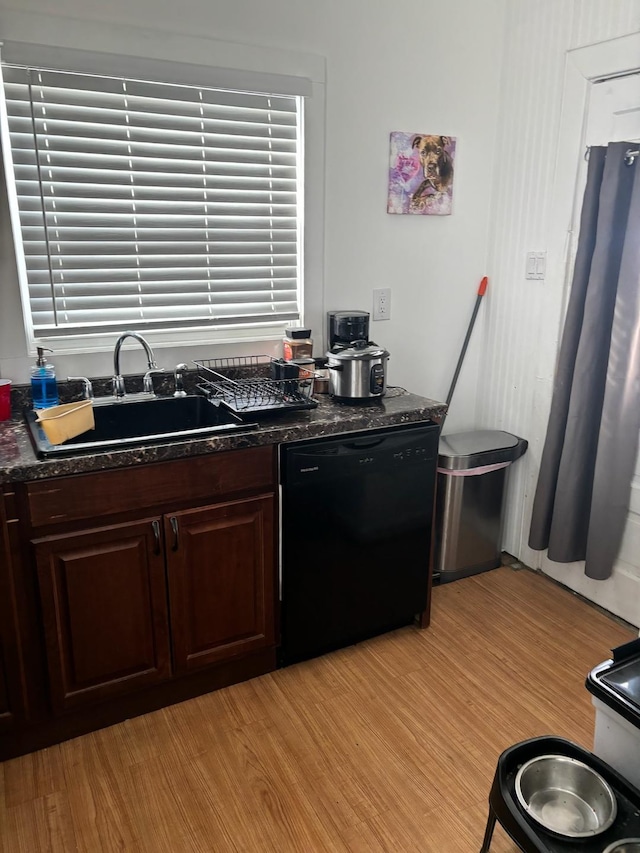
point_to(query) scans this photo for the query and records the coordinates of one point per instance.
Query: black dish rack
(245, 384)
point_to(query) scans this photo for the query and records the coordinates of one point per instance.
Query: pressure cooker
(358, 371)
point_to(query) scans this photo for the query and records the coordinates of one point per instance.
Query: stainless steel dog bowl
(565, 796)
(625, 845)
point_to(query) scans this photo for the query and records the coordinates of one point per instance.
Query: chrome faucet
(87, 387)
(178, 374)
(118, 379)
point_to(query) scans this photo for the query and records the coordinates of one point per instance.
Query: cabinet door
(5, 708)
(13, 680)
(104, 608)
(221, 581)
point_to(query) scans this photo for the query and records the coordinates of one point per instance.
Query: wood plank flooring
(390, 745)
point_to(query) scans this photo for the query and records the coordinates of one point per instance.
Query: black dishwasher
(356, 536)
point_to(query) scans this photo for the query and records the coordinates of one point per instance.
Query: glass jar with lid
(297, 344)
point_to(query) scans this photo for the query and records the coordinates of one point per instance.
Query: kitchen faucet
(118, 379)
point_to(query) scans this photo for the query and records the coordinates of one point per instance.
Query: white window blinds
(153, 205)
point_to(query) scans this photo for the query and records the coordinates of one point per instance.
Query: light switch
(536, 266)
(541, 264)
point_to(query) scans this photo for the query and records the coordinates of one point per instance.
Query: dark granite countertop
(18, 461)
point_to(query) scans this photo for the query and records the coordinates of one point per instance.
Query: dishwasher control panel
(345, 455)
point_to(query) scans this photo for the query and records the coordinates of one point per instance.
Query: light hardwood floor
(390, 745)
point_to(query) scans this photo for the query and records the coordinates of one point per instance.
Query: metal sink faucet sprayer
(178, 374)
(118, 379)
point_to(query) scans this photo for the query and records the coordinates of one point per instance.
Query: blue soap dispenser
(44, 388)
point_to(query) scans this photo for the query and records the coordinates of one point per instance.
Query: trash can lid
(463, 450)
(617, 682)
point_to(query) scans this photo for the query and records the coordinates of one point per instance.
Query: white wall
(422, 66)
(524, 317)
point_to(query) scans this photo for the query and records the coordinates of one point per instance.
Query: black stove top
(625, 679)
(617, 682)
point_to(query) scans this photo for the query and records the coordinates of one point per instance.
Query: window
(153, 205)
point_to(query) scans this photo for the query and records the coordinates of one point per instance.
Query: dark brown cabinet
(104, 608)
(220, 562)
(104, 598)
(5, 707)
(13, 694)
(125, 590)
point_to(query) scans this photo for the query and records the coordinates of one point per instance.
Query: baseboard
(619, 594)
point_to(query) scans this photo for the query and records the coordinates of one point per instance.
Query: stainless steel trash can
(472, 474)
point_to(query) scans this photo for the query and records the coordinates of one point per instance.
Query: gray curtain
(582, 497)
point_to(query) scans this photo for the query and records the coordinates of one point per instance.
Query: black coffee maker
(345, 327)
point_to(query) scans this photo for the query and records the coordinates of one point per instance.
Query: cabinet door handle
(156, 536)
(174, 526)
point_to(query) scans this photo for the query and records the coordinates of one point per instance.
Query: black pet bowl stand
(529, 835)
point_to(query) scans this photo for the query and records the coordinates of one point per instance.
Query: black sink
(124, 423)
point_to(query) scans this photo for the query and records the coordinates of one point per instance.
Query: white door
(614, 111)
(613, 115)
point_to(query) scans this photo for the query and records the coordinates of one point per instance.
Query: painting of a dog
(421, 173)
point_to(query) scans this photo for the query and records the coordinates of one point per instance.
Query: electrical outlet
(382, 303)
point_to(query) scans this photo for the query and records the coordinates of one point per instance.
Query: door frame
(584, 66)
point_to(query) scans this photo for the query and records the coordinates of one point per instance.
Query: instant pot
(357, 372)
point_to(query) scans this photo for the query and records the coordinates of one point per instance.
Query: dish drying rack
(244, 384)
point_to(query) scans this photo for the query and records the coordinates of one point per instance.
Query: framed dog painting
(421, 169)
